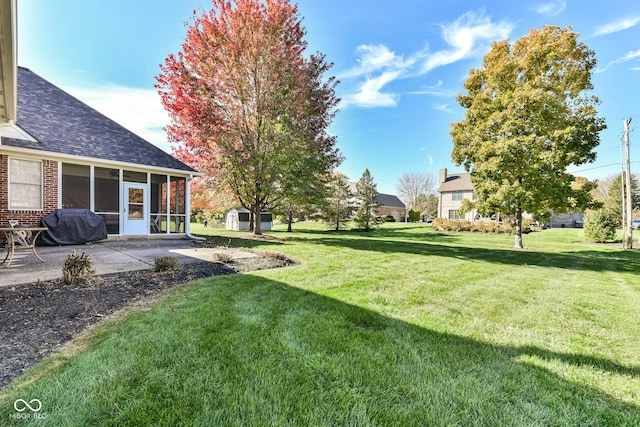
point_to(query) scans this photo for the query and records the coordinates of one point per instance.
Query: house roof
(63, 124)
(390, 200)
(456, 182)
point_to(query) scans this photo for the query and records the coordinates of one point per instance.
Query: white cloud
(630, 56)
(551, 8)
(370, 95)
(138, 110)
(445, 108)
(430, 160)
(374, 58)
(468, 36)
(619, 25)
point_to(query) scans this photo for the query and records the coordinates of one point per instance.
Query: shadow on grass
(299, 358)
(590, 260)
(408, 233)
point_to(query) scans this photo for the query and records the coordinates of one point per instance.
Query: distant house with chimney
(453, 190)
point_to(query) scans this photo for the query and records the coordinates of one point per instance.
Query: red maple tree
(247, 107)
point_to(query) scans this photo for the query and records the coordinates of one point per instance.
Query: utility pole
(629, 211)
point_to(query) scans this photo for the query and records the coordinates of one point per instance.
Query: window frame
(10, 183)
(457, 196)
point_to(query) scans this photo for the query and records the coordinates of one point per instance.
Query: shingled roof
(456, 182)
(390, 200)
(63, 124)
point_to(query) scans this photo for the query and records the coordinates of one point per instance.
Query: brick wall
(50, 195)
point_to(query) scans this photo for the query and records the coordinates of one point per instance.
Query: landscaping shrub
(78, 268)
(506, 228)
(273, 254)
(222, 257)
(438, 224)
(443, 224)
(414, 215)
(485, 227)
(599, 227)
(165, 263)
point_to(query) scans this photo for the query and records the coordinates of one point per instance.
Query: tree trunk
(289, 220)
(518, 244)
(257, 229)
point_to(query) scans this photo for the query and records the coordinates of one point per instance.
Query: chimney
(443, 175)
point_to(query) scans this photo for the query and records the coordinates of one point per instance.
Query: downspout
(187, 211)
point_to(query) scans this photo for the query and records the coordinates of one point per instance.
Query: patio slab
(108, 257)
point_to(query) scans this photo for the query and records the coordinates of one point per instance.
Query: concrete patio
(109, 256)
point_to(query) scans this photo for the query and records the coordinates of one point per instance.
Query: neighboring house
(453, 190)
(57, 152)
(457, 187)
(238, 219)
(567, 220)
(391, 205)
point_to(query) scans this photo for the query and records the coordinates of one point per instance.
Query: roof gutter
(9, 66)
(70, 158)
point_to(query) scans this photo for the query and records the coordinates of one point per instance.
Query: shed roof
(63, 124)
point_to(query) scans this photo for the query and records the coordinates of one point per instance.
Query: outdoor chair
(155, 223)
(21, 237)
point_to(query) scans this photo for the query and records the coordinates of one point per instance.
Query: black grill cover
(72, 227)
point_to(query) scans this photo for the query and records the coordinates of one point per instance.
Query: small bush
(78, 268)
(527, 225)
(438, 224)
(599, 227)
(485, 227)
(273, 254)
(222, 257)
(443, 224)
(414, 215)
(506, 228)
(165, 263)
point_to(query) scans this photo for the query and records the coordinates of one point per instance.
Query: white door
(136, 209)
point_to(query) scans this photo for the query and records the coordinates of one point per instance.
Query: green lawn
(402, 326)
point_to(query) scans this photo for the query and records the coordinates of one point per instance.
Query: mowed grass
(402, 326)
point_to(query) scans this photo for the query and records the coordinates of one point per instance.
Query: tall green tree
(339, 205)
(613, 202)
(367, 193)
(529, 115)
(248, 107)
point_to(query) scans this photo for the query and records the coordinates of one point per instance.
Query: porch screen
(107, 197)
(76, 187)
(25, 184)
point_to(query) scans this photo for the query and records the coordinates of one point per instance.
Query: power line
(595, 167)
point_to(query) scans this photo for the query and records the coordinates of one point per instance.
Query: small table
(9, 234)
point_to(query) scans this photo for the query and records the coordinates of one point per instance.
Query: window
(457, 196)
(453, 214)
(25, 184)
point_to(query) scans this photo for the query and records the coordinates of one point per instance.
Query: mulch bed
(36, 319)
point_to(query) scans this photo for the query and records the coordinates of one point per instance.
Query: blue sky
(400, 66)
